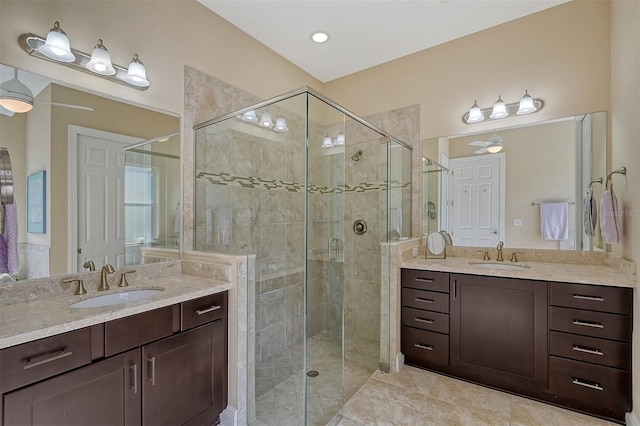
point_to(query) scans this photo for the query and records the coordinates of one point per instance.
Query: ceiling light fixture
(56, 48)
(526, 105)
(15, 96)
(319, 37)
(495, 143)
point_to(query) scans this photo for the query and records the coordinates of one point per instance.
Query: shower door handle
(334, 249)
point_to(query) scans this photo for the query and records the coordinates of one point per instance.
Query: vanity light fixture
(100, 61)
(266, 120)
(526, 105)
(57, 48)
(328, 142)
(499, 109)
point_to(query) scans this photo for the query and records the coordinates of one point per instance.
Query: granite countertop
(558, 272)
(47, 316)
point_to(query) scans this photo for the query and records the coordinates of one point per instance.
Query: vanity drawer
(30, 362)
(429, 300)
(205, 309)
(591, 384)
(127, 333)
(425, 348)
(589, 349)
(617, 300)
(425, 280)
(588, 323)
(426, 320)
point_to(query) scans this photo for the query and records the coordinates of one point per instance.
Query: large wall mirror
(110, 192)
(482, 198)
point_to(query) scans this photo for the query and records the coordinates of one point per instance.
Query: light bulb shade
(265, 120)
(340, 139)
(250, 116)
(281, 125)
(327, 142)
(136, 74)
(100, 62)
(57, 46)
(15, 96)
(499, 109)
(526, 105)
(475, 114)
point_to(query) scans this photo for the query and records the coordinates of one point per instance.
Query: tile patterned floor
(417, 397)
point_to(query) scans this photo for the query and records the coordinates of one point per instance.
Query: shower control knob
(359, 227)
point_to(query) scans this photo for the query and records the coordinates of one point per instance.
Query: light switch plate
(517, 222)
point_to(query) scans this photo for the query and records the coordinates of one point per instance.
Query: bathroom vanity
(561, 342)
(165, 364)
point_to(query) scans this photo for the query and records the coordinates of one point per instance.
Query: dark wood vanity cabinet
(568, 344)
(590, 348)
(499, 331)
(152, 368)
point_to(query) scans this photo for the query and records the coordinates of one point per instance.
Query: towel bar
(537, 204)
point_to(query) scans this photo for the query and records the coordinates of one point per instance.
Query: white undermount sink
(494, 265)
(117, 298)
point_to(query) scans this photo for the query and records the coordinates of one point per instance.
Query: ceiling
(364, 33)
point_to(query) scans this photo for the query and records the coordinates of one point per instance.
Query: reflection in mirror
(77, 138)
(497, 197)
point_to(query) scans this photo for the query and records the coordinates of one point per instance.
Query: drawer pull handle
(151, 363)
(134, 372)
(423, 300)
(429, 280)
(49, 357)
(587, 350)
(591, 298)
(588, 324)
(425, 320)
(425, 347)
(590, 385)
(207, 310)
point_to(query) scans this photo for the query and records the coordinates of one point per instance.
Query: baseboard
(229, 416)
(631, 419)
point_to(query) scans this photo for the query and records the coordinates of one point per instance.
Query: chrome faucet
(89, 265)
(499, 247)
(106, 269)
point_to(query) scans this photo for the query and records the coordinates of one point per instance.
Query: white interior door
(99, 197)
(477, 217)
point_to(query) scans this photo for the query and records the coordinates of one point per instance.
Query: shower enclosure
(311, 192)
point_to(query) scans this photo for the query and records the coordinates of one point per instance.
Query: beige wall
(625, 133)
(166, 34)
(560, 55)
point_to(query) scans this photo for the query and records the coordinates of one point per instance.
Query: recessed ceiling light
(320, 37)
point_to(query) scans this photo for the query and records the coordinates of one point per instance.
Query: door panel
(476, 201)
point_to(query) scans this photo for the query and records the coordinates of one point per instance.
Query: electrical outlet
(414, 252)
(517, 222)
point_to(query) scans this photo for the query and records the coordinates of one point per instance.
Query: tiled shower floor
(326, 393)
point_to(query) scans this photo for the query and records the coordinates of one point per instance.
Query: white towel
(554, 218)
(609, 220)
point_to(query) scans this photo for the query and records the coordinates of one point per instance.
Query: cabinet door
(105, 393)
(184, 377)
(499, 331)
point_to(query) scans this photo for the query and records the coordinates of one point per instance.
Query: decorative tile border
(256, 182)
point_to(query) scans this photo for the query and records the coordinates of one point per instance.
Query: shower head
(356, 156)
